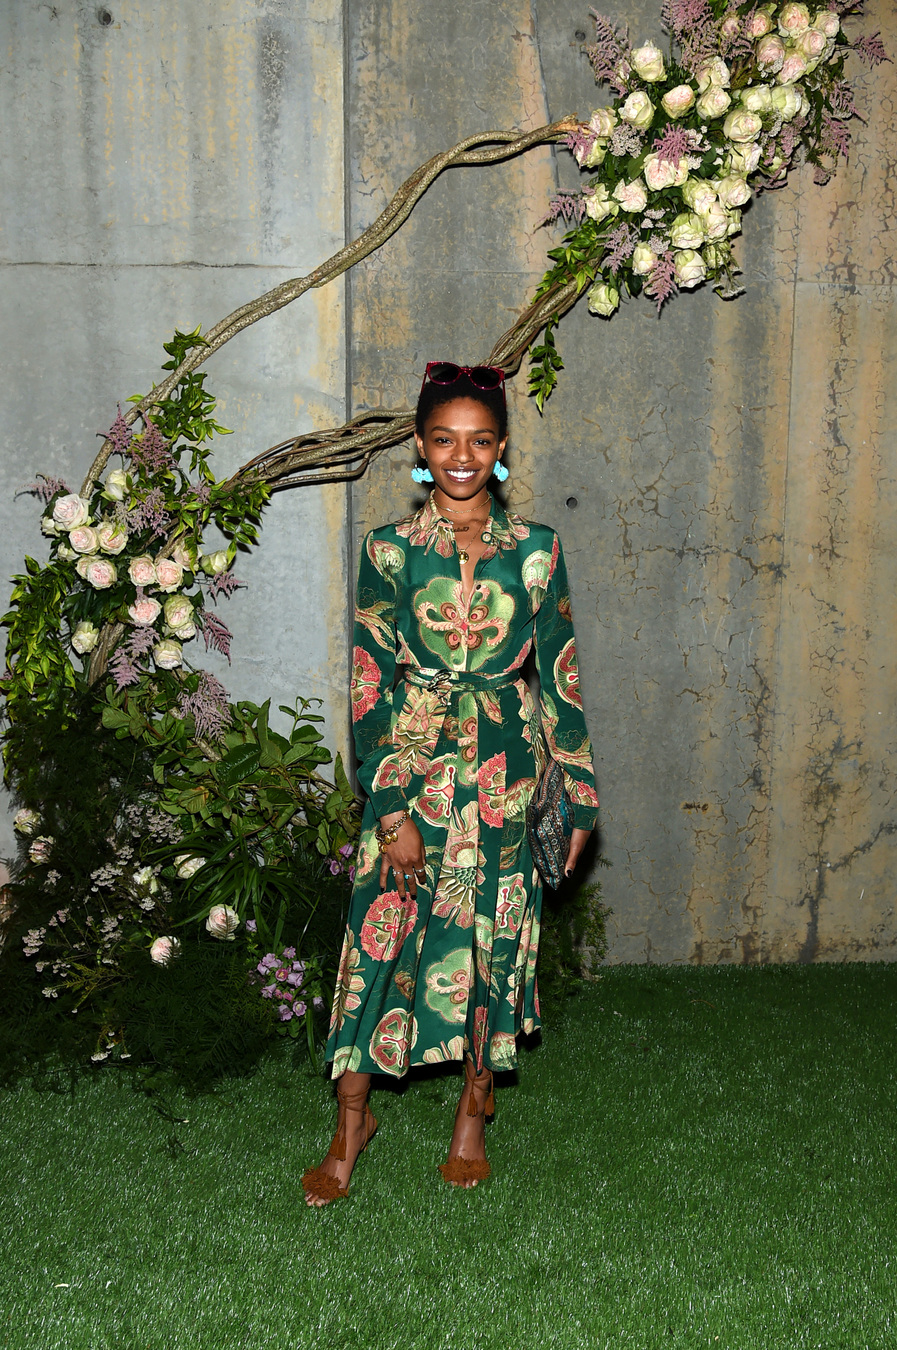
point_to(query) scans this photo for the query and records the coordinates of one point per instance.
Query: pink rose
(39, 852)
(810, 44)
(100, 573)
(83, 539)
(142, 570)
(185, 556)
(112, 537)
(631, 196)
(71, 511)
(169, 574)
(164, 949)
(828, 22)
(677, 101)
(144, 612)
(761, 24)
(168, 655)
(660, 174)
(222, 922)
(793, 19)
(794, 67)
(178, 611)
(770, 52)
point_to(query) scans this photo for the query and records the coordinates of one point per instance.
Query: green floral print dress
(446, 727)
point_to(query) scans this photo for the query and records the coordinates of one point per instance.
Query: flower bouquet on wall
(172, 841)
(745, 93)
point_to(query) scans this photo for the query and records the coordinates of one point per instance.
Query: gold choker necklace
(453, 510)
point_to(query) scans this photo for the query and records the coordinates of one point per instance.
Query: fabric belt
(446, 683)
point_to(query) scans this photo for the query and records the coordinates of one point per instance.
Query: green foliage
(44, 675)
(573, 940)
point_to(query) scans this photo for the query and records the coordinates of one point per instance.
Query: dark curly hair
(434, 396)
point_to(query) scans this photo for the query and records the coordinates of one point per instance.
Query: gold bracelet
(390, 834)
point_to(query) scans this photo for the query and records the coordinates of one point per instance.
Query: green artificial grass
(691, 1157)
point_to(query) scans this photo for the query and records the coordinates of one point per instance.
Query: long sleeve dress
(446, 728)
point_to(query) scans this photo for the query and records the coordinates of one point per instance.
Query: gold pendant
(463, 556)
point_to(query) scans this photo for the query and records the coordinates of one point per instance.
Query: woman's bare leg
(353, 1122)
(469, 1135)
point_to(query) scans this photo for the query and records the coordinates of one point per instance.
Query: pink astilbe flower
(202, 492)
(150, 514)
(673, 145)
(835, 138)
(216, 634)
(580, 141)
(46, 487)
(225, 584)
(661, 283)
(127, 664)
(871, 49)
(740, 42)
(567, 205)
(694, 28)
(208, 707)
(151, 451)
(840, 97)
(609, 53)
(620, 243)
(120, 434)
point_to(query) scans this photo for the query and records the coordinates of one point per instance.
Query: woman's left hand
(577, 844)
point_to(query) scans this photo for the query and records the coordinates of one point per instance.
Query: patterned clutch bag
(549, 825)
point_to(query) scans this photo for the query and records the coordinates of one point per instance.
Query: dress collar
(431, 530)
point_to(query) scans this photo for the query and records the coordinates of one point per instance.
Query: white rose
(71, 511)
(742, 126)
(39, 852)
(82, 564)
(169, 574)
(183, 632)
(142, 570)
(145, 877)
(715, 72)
(100, 573)
(734, 222)
(168, 655)
(647, 62)
(638, 110)
(222, 921)
(631, 196)
(603, 299)
(713, 103)
(689, 268)
(65, 553)
(794, 68)
(164, 949)
(660, 174)
(698, 194)
(715, 221)
(185, 554)
(733, 190)
(686, 232)
(117, 485)
(743, 159)
(770, 53)
(48, 526)
(603, 121)
(113, 538)
(188, 864)
(213, 564)
(599, 204)
(85, 637)
(716, 256)
(811, 44)
(677, 101)
(83, 539)
(25, 821)
(757, 98)
(793, 19)
(827, 22)
(144, 612)
(787, 102)
(761, 24)
(644, 260)
(178, 610)
(594, 157)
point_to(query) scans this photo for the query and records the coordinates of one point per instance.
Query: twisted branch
(494, 146)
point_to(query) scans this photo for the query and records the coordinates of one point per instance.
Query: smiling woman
(439, 956)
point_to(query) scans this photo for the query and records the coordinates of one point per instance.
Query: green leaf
(237, 765)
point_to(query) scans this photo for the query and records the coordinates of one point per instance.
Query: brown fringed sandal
(458, 1171)
(321, 1183)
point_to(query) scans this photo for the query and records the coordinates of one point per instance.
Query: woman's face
(460, 444)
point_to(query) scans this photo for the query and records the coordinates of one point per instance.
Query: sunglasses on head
(446, 372)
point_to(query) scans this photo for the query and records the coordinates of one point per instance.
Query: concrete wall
(732, 546)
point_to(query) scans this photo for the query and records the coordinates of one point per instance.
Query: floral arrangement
(157, 816)
(745, 93)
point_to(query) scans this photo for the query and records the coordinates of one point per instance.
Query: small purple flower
(299, 1009)
(269, 962)
(351, 873)
(281, 973)
(347, 850)
(286, 1013)
(268, 991)
(318, 1002)
(294, 979)
(299, 966)
(335, 867)
(251, 926)
(289, 953)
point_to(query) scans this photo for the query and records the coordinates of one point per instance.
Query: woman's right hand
(405, 859)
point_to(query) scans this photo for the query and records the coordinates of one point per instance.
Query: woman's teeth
(462, 475)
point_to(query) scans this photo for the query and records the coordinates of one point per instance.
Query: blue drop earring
(421, 475)
(500, 471)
